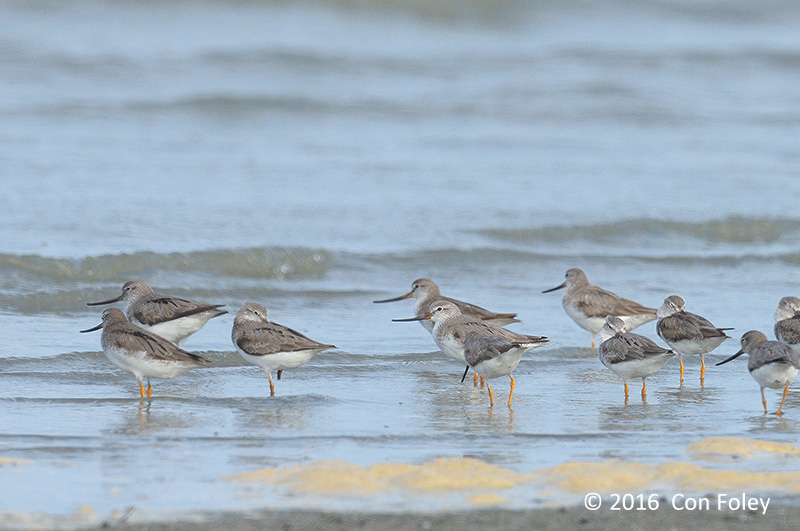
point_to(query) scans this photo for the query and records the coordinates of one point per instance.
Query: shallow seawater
(75, 422)
(317, 156)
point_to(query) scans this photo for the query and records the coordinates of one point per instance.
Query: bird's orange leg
(702, 369)
(680, 360)
(482, 381)
(474, 379)
(271, 385)
(644, 390)
(141, 389)
(626, 392)
(149, 389)
(763, 400)
(511, 393)
(785, 391)
(491, 396)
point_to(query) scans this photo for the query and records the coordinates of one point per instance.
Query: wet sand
(778, 517)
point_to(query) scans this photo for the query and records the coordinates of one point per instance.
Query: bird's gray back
(462, 325)
(158, 307)
(478, 349)
(597, 302)
(129, 337)
(772, 352)
(261, 339)
(629, 346)
(684, 325)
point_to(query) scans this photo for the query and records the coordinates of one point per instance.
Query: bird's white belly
(501, 365)
(638, 368)
(592, 324)
(451, 347)
(280, 361)
(177, 330)
(774, 375)
(595, 324)
(696, 346)
(143, 366)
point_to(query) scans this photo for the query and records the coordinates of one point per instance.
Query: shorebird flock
(145, 339)
(145, 342)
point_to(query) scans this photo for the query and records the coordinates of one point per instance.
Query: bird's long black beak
(731, 358)
(109, 301)
(465, 374)
(98, 327)
(400, 298)
(420, 318)
(564, 285)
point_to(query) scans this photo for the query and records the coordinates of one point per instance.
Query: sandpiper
(170, 317)
(688, 333)
(589, 305)
(772, 364)
(269, 345)
(492, 356)
(630, 355)
(143, 353)
(451, 328)
(426, 292)
(787, 322)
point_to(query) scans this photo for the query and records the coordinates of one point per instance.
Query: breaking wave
(732, 230)
(251, 263)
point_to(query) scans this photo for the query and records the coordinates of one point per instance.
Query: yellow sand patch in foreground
(738, 447)
(343, 478)
(692, 477)
(619, 476)
(607, 476)
(481, 481)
